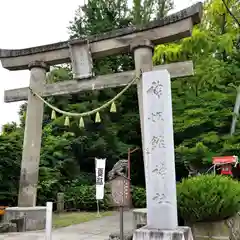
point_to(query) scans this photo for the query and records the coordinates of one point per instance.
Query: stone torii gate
(139, 40)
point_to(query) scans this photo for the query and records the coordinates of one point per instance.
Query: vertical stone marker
(159, 150)
(162, 221)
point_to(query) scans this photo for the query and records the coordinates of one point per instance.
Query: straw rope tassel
(97, 118)
(67, 121)
(53, 115)
(81, 123)
(113, 107)
(88, 113)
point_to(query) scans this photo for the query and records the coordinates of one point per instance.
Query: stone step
(128, 235)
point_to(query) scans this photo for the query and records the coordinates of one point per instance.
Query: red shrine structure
(225, 164)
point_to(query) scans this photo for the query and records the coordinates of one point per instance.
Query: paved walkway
(94, 230)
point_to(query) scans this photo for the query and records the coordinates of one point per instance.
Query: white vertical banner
(100, 164)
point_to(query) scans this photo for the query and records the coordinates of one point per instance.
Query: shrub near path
(208, 198)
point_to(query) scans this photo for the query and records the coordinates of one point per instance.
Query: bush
(83, 198)
(138, 197)
(208, 198)
(80, 196)
(50, 184)
(84, 179)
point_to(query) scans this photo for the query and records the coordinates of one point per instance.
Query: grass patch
(70, 218)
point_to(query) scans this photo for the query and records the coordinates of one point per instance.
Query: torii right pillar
(155, 108)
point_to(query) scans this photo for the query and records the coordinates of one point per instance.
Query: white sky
(28, 23)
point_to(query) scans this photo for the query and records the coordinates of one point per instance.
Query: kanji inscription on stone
(160, 169)
(155, 117)
(159, 150)
(156, 88)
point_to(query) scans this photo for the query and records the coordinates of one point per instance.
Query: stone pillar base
(126, 236)
(26, 218)
(181, 233)
(139, 218)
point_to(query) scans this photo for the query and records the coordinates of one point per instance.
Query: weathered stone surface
(234, 226)
(194, 11)
(32, 138)
(20, 223)
(142, 43)
(159, 150)
(179, 233)
(226, 229)
(139, 217)
(7, 227)
(230, 228)
(39, 64)
(120, 168)
(35, 216)
(179, 69)
(106, 47)
(203, 230)
(116, 236)
(171, 28)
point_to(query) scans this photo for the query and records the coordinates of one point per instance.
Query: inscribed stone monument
(162, 221)
(159, 152)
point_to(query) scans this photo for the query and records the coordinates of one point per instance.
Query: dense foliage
(10, 158)
(138, 197)
(83, 197)
(208, 198)
(202, 104)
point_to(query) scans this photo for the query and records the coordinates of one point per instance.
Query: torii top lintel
(168, 29)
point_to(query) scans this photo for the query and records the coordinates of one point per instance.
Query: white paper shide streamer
(100, 164)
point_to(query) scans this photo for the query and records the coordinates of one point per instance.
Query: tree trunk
(235, 112)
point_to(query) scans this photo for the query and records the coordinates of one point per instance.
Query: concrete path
(98, 229)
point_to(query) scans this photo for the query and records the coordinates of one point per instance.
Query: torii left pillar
(31, 217)
(32, 137)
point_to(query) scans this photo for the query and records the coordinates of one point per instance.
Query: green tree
(10, 159)
(203, 103)
(147, 10)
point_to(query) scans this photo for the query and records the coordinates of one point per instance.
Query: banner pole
(98, 211)
(121, 223)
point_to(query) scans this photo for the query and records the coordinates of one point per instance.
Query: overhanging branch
(230, 12)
